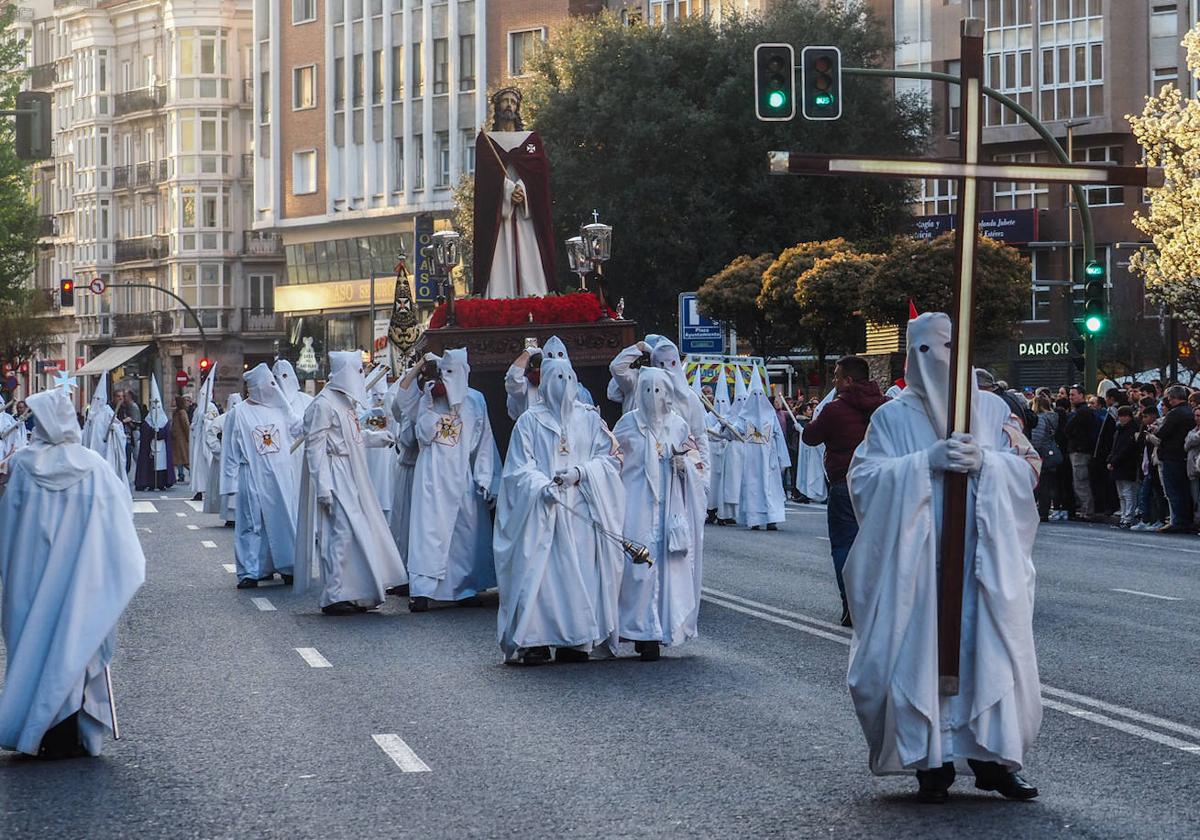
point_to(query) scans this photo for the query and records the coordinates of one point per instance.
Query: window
(1164, 21)
(304, 11)
(442, 138)
(264, 97)
(521, 46)
(441, 66)
(262, 293)
(304, 87)
(1039, 303)
(1071, 39)
(936, 197)
(398, 164)
(466, 62)
(1008, 55)
(417, 53)
(397, 73)
(1102, 196)
(1161, 77)
(339, 84)
(356, 90)
(304, 172)
(468, 150)
(953, 100)
(1009, 195)
(419, 160)
(376, 77)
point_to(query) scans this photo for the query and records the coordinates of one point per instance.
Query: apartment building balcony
(259, 321)
(83, 4)
(213, 319)
(257, 244)
(145, 99)
(248, 167)
(48, 225)
(141, 324)
(122, 177)
(141, 248)
(43, 76)
(95, 327)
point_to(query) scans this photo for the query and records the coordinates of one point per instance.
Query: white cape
(891, 586)
(811, 480)
(70, 563)
(559, 579)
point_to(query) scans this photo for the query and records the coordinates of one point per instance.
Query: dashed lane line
(193, 527)
(401, 753)
(180, 513)
(194, 505)
(208, 543)
(813, 626)
(314, 658)
(142, 506)
(229, 567)
(263, 604)
(1148, 595)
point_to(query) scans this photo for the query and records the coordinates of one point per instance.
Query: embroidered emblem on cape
(530, 148)
(449, 430)
(266, 439)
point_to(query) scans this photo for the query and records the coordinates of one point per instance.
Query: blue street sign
(698, 334)
(424, 285)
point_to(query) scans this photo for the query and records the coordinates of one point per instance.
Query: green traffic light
(776, 99)
(823, 100)
(1094, 323)
(1094, 269)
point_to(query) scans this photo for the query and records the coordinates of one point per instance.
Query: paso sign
(698, 334)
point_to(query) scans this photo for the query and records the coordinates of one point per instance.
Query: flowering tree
(1169, 132)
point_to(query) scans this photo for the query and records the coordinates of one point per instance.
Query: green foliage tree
(924, 271)
(655, 127)
(829, 297)
(463, 219)
(731, 296)
(18, 215)
(778, 296)
(25, 329)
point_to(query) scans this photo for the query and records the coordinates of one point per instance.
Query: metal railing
(121, 177)
(260, 320)
(141, 324)
(43, 75)
(48, 225)
(141, 248)
(262, 244)
(146, 99)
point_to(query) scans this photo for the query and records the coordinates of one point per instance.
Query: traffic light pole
(1090, 349)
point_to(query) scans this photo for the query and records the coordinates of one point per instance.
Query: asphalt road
(415, 729)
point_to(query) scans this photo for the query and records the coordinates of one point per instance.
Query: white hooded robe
(892, 578)
(199, 457)
(764, 456)
(103, 433)
(811, 480)
(70, 563)
(731, 474)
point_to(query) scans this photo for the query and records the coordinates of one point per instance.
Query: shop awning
(109, 359)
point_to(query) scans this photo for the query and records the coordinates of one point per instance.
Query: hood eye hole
(947, 345)
(924, 348)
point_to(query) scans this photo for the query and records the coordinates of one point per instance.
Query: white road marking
(180, 513)
(313, 657)
(1147, 595)
(144, 507)
(229, 567)
(765, 612)
(263, 604)
(401, 753)
(147, 530)
(196, 506)
(164, 497)
(193, 527)
(208, 543)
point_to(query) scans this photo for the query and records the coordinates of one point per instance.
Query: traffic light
(1078, 354)
(66, 294)
(33, 125)
(775, 82)
(821, 82)
(204, 364)
(1095, 309)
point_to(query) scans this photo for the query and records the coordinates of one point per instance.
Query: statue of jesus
(514, 239)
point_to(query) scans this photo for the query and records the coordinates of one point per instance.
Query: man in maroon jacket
(841, 426)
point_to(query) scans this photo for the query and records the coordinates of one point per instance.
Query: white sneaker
(1140, 526)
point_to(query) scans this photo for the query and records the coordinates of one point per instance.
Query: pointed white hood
(346, 375)
(739, 392)
(757, 409)
(927, 368)
(721, 393)
(665, 356)
(263, 389)
(558, 392)
(697, 385)
(285, 377)
(54, 459)
(100, 395)
(555, 349)
(156, 416)
(455, 371)
(232, 400)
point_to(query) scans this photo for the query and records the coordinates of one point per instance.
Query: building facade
(149, 189)
(1080, 66)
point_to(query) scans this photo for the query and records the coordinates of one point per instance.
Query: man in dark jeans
(1170, 437)
(841, 426)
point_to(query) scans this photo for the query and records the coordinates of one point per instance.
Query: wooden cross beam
(969, 171)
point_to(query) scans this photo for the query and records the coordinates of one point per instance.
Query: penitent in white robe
(70, 563)
(716, 454)
(103, 434)
(892, 584)
(404, 463)
(559, 579)
(450, 539)
(359, 561)
(660, 602)
(810, 462)
(381, 459)
(258, 471)
(214, 502)
(764, 456)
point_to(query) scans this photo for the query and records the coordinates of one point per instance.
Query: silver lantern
(446, 250)
(578, 261)
(597, 244)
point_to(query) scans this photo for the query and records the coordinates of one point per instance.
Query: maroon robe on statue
(528, 160)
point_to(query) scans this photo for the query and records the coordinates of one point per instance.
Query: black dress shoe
(570, 655)
(288, 580)
(230, 524)
(711, 517)
(421, 604)
(247, 583)
(340, 608)
(536, 656)
(771, 526)
(995, 777)
(399, 591)
(199, 497)
(649, 651)
(934, 785)
(62, 740)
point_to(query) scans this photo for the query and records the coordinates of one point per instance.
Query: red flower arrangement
(470, 313)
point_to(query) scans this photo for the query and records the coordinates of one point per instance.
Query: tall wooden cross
(968, 171)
